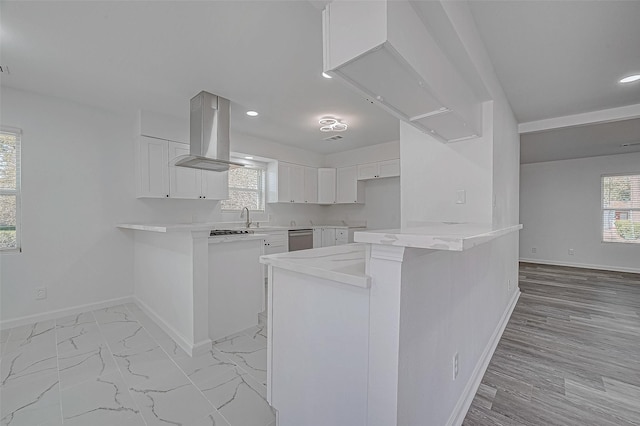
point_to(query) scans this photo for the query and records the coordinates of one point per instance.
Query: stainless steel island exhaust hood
(208, 135)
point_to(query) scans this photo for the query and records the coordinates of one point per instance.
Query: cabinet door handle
(167, 195)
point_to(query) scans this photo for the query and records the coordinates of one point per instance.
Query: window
(246, 189)
(9, 190)
(621, 208)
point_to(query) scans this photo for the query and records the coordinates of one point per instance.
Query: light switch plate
(461, 196)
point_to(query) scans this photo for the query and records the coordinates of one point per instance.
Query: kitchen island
(395, 329)
(197, 287)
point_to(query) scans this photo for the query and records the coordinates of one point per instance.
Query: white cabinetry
(152, 168)
(289, 183)
(310, 185)
(348, 188)
(275, 242)
(157, 179)
(327, 236)
(380, 169)
(326, 185)
(342, 236)
(192, 183)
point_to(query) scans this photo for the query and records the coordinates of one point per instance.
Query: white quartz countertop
(344, 264)
(234, 238)
(436, 235)
(207, 226)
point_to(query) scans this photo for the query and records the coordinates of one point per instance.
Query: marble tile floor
(115, 366)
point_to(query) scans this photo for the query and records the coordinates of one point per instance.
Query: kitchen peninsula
(372, 329)
(197, 287)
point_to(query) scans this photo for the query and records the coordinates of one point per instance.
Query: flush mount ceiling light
(252, 113)
(630, 79)
(325, 75)
(331, 125)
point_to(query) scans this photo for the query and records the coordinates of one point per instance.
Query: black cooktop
(217, 232)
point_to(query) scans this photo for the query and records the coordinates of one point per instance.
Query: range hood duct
(208, 135)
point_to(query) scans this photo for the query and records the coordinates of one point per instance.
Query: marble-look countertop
(436, 235)
(216, 239)
(344, 264)
(207, 226)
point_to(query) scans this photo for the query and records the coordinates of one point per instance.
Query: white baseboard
(581, 265)
(59, 313)
(189, 347)
(463, 404)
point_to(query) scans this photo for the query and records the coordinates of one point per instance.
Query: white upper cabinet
(348, 188)
(287, 183)
(215, 185)
(152, 168)
(380, 169)
(192, 183)
(183, 182)
(384, 50)
(326, 185)
(310, 185)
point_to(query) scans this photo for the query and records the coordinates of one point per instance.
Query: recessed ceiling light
(325, 75)
(252, 113)
(248, 158)
(630, 79)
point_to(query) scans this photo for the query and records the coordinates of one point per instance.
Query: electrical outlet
(571, 252)
(41, 293)
(534, 250)
(461, 196)
(455, 366)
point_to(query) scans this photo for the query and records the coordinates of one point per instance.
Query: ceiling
(553, 58)
(156, 55)
(561, 58)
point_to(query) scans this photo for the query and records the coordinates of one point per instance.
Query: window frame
(17, 192)
(262, 193)
(604, 209)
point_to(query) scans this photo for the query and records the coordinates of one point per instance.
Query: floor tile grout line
(176, 364)
(55, 331)
(118, 366)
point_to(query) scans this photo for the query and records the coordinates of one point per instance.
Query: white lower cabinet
(274, 242)
(327, 236)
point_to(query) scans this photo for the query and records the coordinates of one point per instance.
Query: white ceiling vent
(4, 69)
(333, 138)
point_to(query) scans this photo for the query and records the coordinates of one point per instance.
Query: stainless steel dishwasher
(300, 239)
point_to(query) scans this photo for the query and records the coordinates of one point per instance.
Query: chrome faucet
(248, 222)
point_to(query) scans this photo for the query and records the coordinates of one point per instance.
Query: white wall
(77, 182)
(560, 208)
(367, 154)
(433, 172)
(381, 209)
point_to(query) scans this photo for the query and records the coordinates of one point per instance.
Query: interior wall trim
(58, 313)
(582, 265)
(469, 392)
(193, 349)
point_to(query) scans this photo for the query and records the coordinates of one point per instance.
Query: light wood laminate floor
(570, 354)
